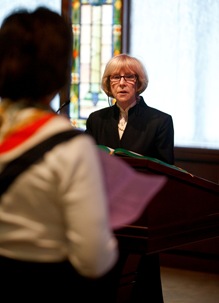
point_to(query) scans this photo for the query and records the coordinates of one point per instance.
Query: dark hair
(35, 54)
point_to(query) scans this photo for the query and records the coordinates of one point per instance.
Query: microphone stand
(63, 105)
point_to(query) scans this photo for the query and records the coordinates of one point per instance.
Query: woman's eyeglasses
(131, 78)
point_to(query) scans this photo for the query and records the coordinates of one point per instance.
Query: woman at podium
(131, 124)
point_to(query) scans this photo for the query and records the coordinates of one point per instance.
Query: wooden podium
(186, 210)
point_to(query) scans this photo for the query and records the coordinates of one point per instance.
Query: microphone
(63, 105)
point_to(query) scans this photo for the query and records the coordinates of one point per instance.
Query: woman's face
(123, 87)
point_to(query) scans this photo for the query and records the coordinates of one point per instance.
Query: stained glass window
(96, 26)
(97, 37)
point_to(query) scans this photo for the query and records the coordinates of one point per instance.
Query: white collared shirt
(123, 118)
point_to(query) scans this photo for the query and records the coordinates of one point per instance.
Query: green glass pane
(96, 37)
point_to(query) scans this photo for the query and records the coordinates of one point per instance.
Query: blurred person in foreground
(55, 237)
(133, 125)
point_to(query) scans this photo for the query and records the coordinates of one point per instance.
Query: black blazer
(148, 132)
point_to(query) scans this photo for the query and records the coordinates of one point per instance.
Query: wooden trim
(197, 155)
(203, 163)
(126, 6)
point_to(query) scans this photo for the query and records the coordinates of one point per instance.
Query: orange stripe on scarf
(21, 135)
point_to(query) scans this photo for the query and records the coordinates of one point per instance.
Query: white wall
(178, 41)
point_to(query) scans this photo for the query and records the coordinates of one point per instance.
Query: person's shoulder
(153, 110)
(81, 142)
(159, 112)
(101, 112)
